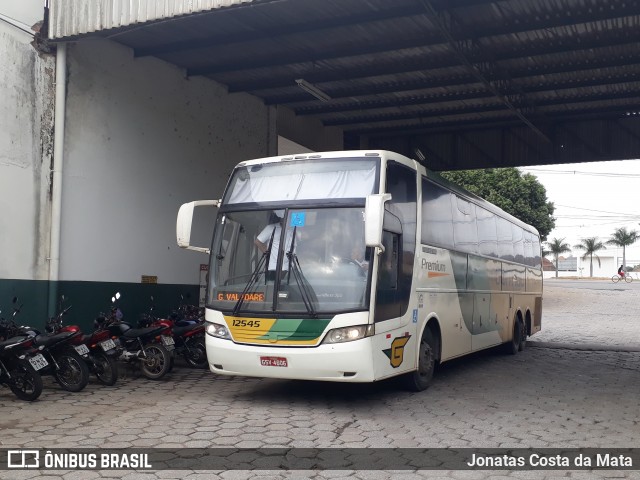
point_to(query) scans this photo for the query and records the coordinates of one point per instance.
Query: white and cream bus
(357, 266)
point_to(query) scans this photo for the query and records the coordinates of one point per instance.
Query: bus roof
(389, 155)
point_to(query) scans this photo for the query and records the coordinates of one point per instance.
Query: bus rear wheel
(512, 347)
(523, 337)
(420, 379)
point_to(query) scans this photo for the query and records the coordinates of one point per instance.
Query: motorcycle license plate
(107, 345)
(38, 362)
(274, 362)
(166, 340)
(82, 349)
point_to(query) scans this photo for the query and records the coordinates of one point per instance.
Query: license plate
(166, 340)
(273, 362)
(38, 362)
(82, 349)
(107, 345)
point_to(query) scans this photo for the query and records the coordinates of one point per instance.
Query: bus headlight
(217, 330)
(349, 334)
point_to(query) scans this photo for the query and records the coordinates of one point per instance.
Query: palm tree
(623, 238)
(558, 247)
(590, 246)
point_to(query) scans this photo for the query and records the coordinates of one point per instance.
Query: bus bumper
(342, 362)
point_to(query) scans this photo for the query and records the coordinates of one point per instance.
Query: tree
(522, 196)
(623, 238)
(590, 246)
(558, 247)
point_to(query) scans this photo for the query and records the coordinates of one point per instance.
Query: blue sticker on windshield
(298, 219)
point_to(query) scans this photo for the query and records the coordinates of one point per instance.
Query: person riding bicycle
(621, 271)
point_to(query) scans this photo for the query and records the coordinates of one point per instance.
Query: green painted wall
(88, 299)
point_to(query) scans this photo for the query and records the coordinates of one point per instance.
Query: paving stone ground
(542, 397)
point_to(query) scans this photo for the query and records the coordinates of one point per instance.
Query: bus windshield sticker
(298, 219)
(235, 296)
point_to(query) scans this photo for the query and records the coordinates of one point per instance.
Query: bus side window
(388, 301)
(388, 269)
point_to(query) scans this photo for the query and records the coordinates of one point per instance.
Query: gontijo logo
(396, 352)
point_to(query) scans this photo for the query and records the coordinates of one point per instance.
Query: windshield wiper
(305, 288)
(264, 259)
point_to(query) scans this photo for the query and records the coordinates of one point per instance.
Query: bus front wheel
(420, 379)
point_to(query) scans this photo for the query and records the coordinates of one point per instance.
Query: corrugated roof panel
(69, 18)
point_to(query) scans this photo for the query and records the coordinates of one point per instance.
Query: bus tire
(523, 337)
(513, 346)
(420, 379)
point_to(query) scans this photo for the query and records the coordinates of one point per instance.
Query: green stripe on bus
(297, 329)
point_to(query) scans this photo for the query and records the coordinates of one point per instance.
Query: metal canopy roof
(470, 83)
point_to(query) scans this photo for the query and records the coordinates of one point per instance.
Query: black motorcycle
(16, 370)
(63, 361)
(19, 362)
(187, 330)
(145, 346)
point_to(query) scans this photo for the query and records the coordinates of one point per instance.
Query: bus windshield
(335, 179)
(306, 262)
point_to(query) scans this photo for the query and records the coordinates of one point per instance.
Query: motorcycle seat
(48, 340)
(181, 330)
(141, 332)
(12, 341)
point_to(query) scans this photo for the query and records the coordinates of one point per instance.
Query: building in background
(98, 150)
(576, 267)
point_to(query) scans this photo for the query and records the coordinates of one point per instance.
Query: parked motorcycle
(98, 350)
(150, 347)
(63, 361)
(19, 363)
(187, 332)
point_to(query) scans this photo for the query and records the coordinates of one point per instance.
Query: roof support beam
(589, 61)
(476, 72)
(280, 31)
(490, 107)
(583, 46)
(556, 20)
(427, 98)
(585, 113)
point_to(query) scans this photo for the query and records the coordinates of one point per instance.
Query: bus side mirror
(183, 224)
(374, 219)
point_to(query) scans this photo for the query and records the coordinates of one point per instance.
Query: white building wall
(140, 140)
(606, 269)
(26, 122)
(308, 132)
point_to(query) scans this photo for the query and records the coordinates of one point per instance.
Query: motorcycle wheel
(196, 354)
(73, 374)
(106, 369)
(156, 362)
(26, 382)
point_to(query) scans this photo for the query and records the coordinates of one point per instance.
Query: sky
(592, 200)
(27, 12)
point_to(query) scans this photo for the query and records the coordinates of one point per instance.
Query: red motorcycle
(187, 331)
(98, 350)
